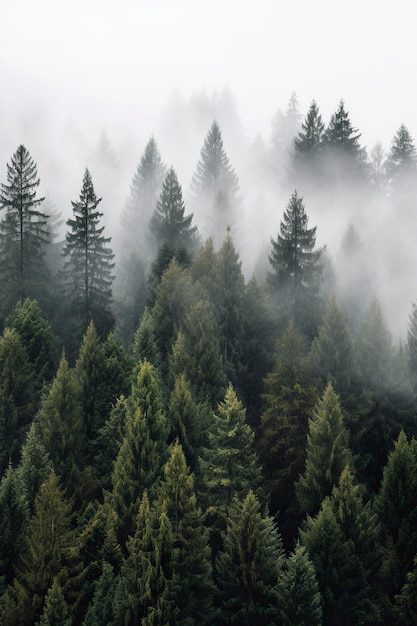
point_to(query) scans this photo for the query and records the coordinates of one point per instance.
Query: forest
(190, 438)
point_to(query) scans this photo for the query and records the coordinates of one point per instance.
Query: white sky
(105, 59)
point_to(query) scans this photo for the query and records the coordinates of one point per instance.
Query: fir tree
(402, 158)
(308, 145)
(327, 452)
(214, 187)
(56, 611)
(249, 565)
(35, 464)
(88, 264)
(169, 224)
(296, 265)
(100, 610)
(14, 522)
(23, 233)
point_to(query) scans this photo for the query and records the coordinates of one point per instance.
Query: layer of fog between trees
(64, 146)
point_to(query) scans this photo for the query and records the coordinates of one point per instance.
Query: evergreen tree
(109, 439)
(214, 187)
(35, 464)
(61, 423)
(191, 568)
(249, 565)
(38, 338)
(169, 224)
(23, 233)
(402, 158)
(17, 397)
(88, 264)
(51, 552)
(308, 145)
(289, 396)
(327, 452)
(406, 601)
(299, 595)
(56, 611)
(145, 345)
(345, 156)
(100, 610)
(229, 466)
(296, 265)
(285, 127)
(14, 521)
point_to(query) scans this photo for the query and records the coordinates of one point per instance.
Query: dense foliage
(195, 447)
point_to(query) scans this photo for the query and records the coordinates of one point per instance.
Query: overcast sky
(103, 60)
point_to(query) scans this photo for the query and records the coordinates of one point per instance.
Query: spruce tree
(100, 610)
(56, 610)
(192, 587)
(308, 146)
(402, 159)
(17, 397)
(214, 187)
(88, 265)
(24, 233)
(14, 522)
(296, 266)
(248, 567)
(169, 224)
(327, 452)
(229, 466)
(35, 464)
(299, 594)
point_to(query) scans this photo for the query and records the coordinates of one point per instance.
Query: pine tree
(169, 224)
(299, 595)
(145, 345)
(214, 187)
(327, 452)
(342, 148)
(56, 610)
(229, 466)
(24, 233)
(35, 464)
(100, 610)
(88, 265)
(402, 158)
(308, 145)
(296, 265)
(191, 568)
(17, 397)
(61, 423)
(289, 396)
(249, 565)
(14, 522)
(109, 439)
(285, 127)
(38, 338)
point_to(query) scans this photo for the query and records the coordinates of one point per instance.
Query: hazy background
(85, 83)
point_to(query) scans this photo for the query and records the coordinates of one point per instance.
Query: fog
(85, 84)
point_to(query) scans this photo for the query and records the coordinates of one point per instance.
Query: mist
(92, 81)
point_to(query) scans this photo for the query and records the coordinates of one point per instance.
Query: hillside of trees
(182, 442)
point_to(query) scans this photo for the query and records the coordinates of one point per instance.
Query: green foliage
(14, 522)
(169, 224)
(249, 565)
(56, 611)
(327, 452)
(38, 338)
(88, 266)
(100, 610)
(402, 159)
(109, 440)
(17, 396)
(215, 187)
(61, 423)
(229, 466)
(23, 234)
(299, 595)
(35, 464)
(296, 264)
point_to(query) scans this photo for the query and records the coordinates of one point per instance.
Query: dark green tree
(406, 602)
(145, 345)
(17, 397)
(229, 466)
(402, 159)
(100, 610)
(296, 266)
(169, 224)
(299, 594)
(248, 567)
(327, 452)
(214, 187)
(109, 439)
(290, 396)
(14, 522)
(61, 422)
(88, 265)
(193, 587)
(56, 610)
(24, 233)
(35, 464)
(308, 146)
(346, 158)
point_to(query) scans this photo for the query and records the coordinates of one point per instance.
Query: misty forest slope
(213, 422)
